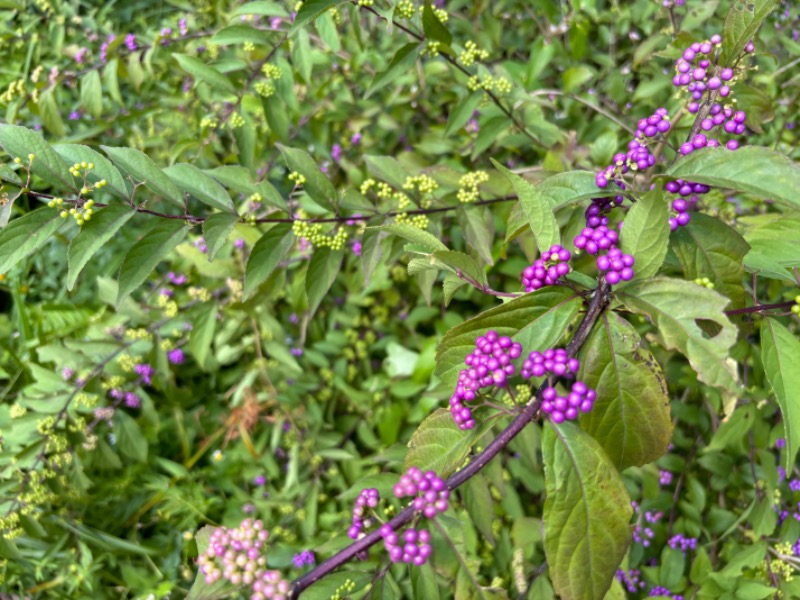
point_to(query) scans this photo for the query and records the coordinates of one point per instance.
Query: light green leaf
(674, 307)
(200, 70)
(191, 179)
(130, 439)
(26, 234)
(400, 64)
(456, 262)
(142, 168)
(741, 24)
(268, 252)
(103, 226)
(92, 93)
(309, 11)
(753, 169)
(322, 271)
(479, 505)
(317, 185)
(423, 582)
(204, 323)
(50, 113)
(536, 320)
(388, 169)
(261, 7)
(780, 353)
(414, 235)
(135, 71)
(19, 142)
(477, 226)
(586, 514)
(537, 207)
(239, 34)
(630, 418)
(216, 230)
(145, 254)
(646, 233)
(774, 239)
(111, 80)
(463, 112)
(103, 168)
(301, 55)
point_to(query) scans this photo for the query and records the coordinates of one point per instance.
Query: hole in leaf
(709, 328)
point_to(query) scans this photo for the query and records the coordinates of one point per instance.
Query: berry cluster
(552, 360)
(592, 240)
(414, 547)
(688, 192)
(616, 265)
(489, 364)
(430, 492)
(239, 552)
(684, 543)
(368, 498)
(547, 269)
(567, 408)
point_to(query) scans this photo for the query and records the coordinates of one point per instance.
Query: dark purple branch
(759, 308)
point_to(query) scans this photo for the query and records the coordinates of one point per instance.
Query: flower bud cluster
(471, 53)
(548, 269)
(468, 186)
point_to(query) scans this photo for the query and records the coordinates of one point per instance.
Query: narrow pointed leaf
(103, 226)
(92, 93)
(268, 252)
(317, 185)
(309, 11)
(19, 142)
(143, 169)
(204, 324)
(200, 70)
(322, 271)
(780, 353)
(103, 168)
(400, 64)
(203, 187)
(26, 234)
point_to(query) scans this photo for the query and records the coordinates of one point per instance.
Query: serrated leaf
(19, 142)
(103, 168)
(675, 307)
(103, 226)
(536, 320)
(92, 93)
(646, 233)
(780, 353)
(317, 185)
(142, 168)
(413, 234)
(322, 271)
(145, 254)
(26, 234)
(537, 207)
(192, 180)
(309, 11)
(268, 252)
(216, 230)
(586, 514)
(399, 64)
(741, 24)
(200, 70)
(630, 418)
(204, 323)
(707, 247)
(753, 169)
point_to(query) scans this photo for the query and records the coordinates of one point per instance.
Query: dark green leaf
(142, 168)
(646, 233)
(192, 180)
(322, 271)
(50, 113)
(268, 252)
(103, 226)
(103, 168)
(434, 29)
(130, 439)
(317, 185)
(216, 230)
(780, 353)
(26, 234)
(402, 60)
(204, 324)
(309, 11)
(413, 234)
(19, 142)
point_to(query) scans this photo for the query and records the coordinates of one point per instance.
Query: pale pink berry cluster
(413, 547)
(429, 491)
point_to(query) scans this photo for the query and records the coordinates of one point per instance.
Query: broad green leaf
(674, 307)
(400, 64)
(741, 24)
(646, 233)
(537, 207)
(111, 80)
(103, 226)
(773, 239)
(456, 262)
(204, 323)
(707, 247)
(317, 185)
(586, 515)
(19, 142)
(301, 55)
(239, 34)
(245, 137)
(103, 168)
(489, 133)
(216, 230)
(191, 179)
(780, 353)
(423, 581)
(240, 180)
(322, 271)
(50, 113)
(477, 226)
(145, 254)
(630, 418)
(92, 93)
(371, 252)
(200, 70)
(130, 438)
(479, 505)
(26, 234)
(268, 252)
(413, 234)
(433, 28)
(463, 112)
(388, 169)
(309, 11)
(536, 320)
(142, 168)
(276, 114)
(753, 169)
(261, 7)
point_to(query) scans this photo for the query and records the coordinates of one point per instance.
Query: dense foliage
(335, 299)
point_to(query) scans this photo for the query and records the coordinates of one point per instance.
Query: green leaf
(309, 11)
(191, 179)
(317, 185)
(92, 93)
(707, 247)
(200, 70)
(630, 418)
(103, 168)
(204, 323)
(135, 71)
(19, 142)
(301, 55)
(774, 239)
(537, 207)
(239, 34)
(216, 230)
(753, 169)
(457, 262)
(536, 320)
(675, 307)
(322, 271)
(423, 581)
(433, 28)
(646, 233)
(50, 113)
(586, 514)
(371, 252)
(103, 226)
(261, 7)
(413, 234)
(741, 24)
(268, 252)
(145, 254)
(26, 234)
(477, 226)
(479, 504)
(488, 134)
(401, 62)
(463, 112)
(780, 353)
(142, 168)
(111, 80)
(130, 439)
(388, 169)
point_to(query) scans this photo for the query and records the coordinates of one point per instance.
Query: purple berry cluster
(414, 547)
(489, 364)
(678, 541)
(632, 580)
(367, 499)
(616, 265)
(567, 408)
(688, 192)
(547, 269)
(235, 555)
(662, 592)
(552, 360)
(597, 236)
(430, 492)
